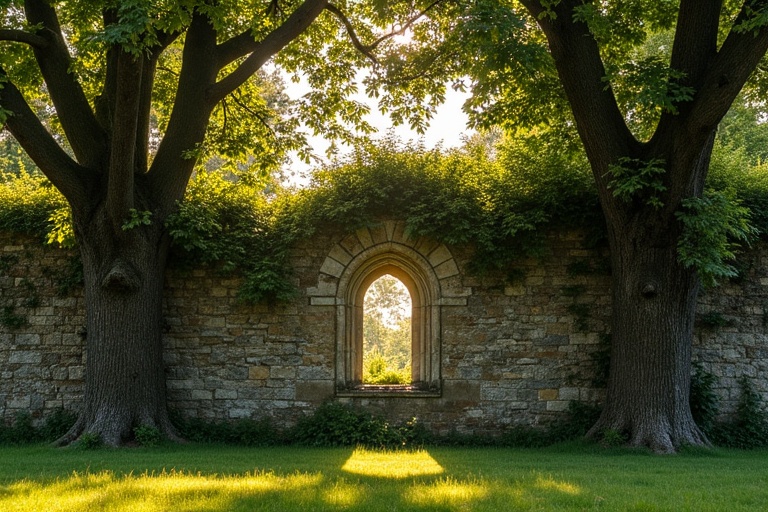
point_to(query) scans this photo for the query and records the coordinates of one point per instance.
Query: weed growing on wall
(705, 403)
(749, 426)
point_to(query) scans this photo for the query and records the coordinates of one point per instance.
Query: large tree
(646, 84)
(112, 100)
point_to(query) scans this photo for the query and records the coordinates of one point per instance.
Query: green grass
(213, 478)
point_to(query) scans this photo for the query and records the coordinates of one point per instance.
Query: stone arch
(425, 267)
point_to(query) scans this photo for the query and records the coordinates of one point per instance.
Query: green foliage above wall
(498, 194)
(27, 202)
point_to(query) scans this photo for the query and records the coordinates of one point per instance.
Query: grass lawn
(214, 478)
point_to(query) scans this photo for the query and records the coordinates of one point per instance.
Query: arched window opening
(387, 334)
(419, 361)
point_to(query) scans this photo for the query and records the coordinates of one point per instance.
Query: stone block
(25, 356)
(19, 403)
(568, 394)
(548, 394)
(282, 372)
(258, 372)
(332, 267)
(225, 394)
(201, 394)
(461, 391)
(446, 269)
(76, 372)
(60, 374)
(425, 245)
(314, 391)
(322, 301)
(340, 254)
(439, 255)
(364, 237)
(27, 339)
(557, 406)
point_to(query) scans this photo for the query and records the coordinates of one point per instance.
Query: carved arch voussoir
(390, 241)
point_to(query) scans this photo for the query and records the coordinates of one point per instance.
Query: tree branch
(275, 41)
(403, 29)
(83, 131)
(365, 50)
(255, 114)
(124, 135)
(22, 36)
(65, 174)
(599, 119)
(695, 38)
(175, 158)
(730, 69)
(694, 48)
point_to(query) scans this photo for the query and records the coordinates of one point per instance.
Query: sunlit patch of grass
(392, 464)
(447, 492)
(343, 494)
(148, 492)
(550, 484)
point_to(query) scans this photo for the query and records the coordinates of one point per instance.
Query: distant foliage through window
(387, 333)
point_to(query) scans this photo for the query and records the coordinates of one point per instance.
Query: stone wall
(506, 353)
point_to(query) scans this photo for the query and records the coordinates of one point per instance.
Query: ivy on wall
(497, 194)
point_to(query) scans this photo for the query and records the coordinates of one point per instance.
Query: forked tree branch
(262, 51)
(84, 133)
(65, 174)
(367, 50)
(22, 36)
(738, 57)
(404, 28)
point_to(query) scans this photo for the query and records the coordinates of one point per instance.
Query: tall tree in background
(112, 100)
(645, 85)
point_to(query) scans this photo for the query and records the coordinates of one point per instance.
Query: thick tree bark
(654, 300)
(125, 385)
(111, 176)
(654, 296)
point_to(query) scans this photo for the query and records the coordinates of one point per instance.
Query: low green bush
(148, 436)
(20, 431)
(89, 441)
(335, 424)
(747, 429)
(245, 431)
(56, 424)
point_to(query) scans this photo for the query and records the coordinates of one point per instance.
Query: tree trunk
(125, 385)
(654, 301)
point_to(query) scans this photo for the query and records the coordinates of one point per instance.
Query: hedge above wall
(495, 197)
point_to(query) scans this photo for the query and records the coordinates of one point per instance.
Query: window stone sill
(388, 391)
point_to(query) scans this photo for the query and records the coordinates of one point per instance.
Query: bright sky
(448, 126)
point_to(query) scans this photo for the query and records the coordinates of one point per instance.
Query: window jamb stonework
(432, 277)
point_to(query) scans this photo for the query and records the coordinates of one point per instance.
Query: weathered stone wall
(508, 353)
